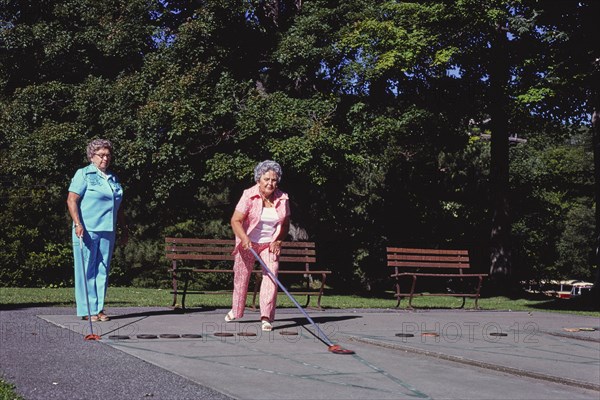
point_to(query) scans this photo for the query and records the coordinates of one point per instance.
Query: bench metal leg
(174, 280)
(398, 296)
(308, 278)
(307, 301)
(478, 291)
(412, 292)
(321, 289)
(174, 305)
(185, 288)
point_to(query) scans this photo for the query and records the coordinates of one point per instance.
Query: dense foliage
(378, 111)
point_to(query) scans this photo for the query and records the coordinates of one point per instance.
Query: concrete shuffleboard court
(433, 354)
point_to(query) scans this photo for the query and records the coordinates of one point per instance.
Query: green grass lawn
(142, 297)
(7, 391)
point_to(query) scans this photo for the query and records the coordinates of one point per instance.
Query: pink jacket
(251, 204)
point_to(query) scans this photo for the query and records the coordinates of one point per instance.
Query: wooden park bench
(187, 256)
(432, 263)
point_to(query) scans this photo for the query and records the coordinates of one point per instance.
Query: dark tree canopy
(379, 112)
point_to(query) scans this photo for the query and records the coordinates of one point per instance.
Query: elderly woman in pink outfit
(260, 221)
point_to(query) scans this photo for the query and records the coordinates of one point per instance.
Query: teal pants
(95, 259)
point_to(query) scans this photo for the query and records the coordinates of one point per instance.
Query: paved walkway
(399, 354)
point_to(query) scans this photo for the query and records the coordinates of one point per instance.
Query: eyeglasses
(106, 156)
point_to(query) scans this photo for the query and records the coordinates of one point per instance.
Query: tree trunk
(500, 254)
(596, 145)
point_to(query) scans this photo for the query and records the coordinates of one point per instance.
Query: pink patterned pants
(242, 270)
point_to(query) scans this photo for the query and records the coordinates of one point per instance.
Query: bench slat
(446, 275)
(304, 272)
(442, 294)
(229, 250)
(201, 241)
(311, 272)
(311, 245)
(205, 249)
(413, 264)
(189, 270)
(407, 250)
(228, 257)
(304, 252)
(213, 257)
(297, 259)
(406, 257)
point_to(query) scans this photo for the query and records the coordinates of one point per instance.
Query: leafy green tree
(58, 63)
(569, 90)
(380, 143)
(576, 244)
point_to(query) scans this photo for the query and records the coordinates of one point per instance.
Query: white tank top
(264, 230)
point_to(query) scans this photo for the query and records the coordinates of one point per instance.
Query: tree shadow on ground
(19, 306)
(303, 323)
(168, 311)
(586, 302)
(580, 303)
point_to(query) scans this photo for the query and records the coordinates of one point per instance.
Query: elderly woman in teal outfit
(94, 203)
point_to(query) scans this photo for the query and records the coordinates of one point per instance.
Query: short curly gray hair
(265, 166)
(97, 144)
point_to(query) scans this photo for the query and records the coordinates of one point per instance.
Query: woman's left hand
(275, 247)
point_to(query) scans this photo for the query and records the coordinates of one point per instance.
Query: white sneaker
(266, 326)
(229, 317)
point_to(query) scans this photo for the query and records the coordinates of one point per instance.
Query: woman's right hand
(237, 220)
(79, 231)
(73, 206)
(246, 243)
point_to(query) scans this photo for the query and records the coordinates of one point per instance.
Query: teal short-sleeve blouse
(100, 198)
